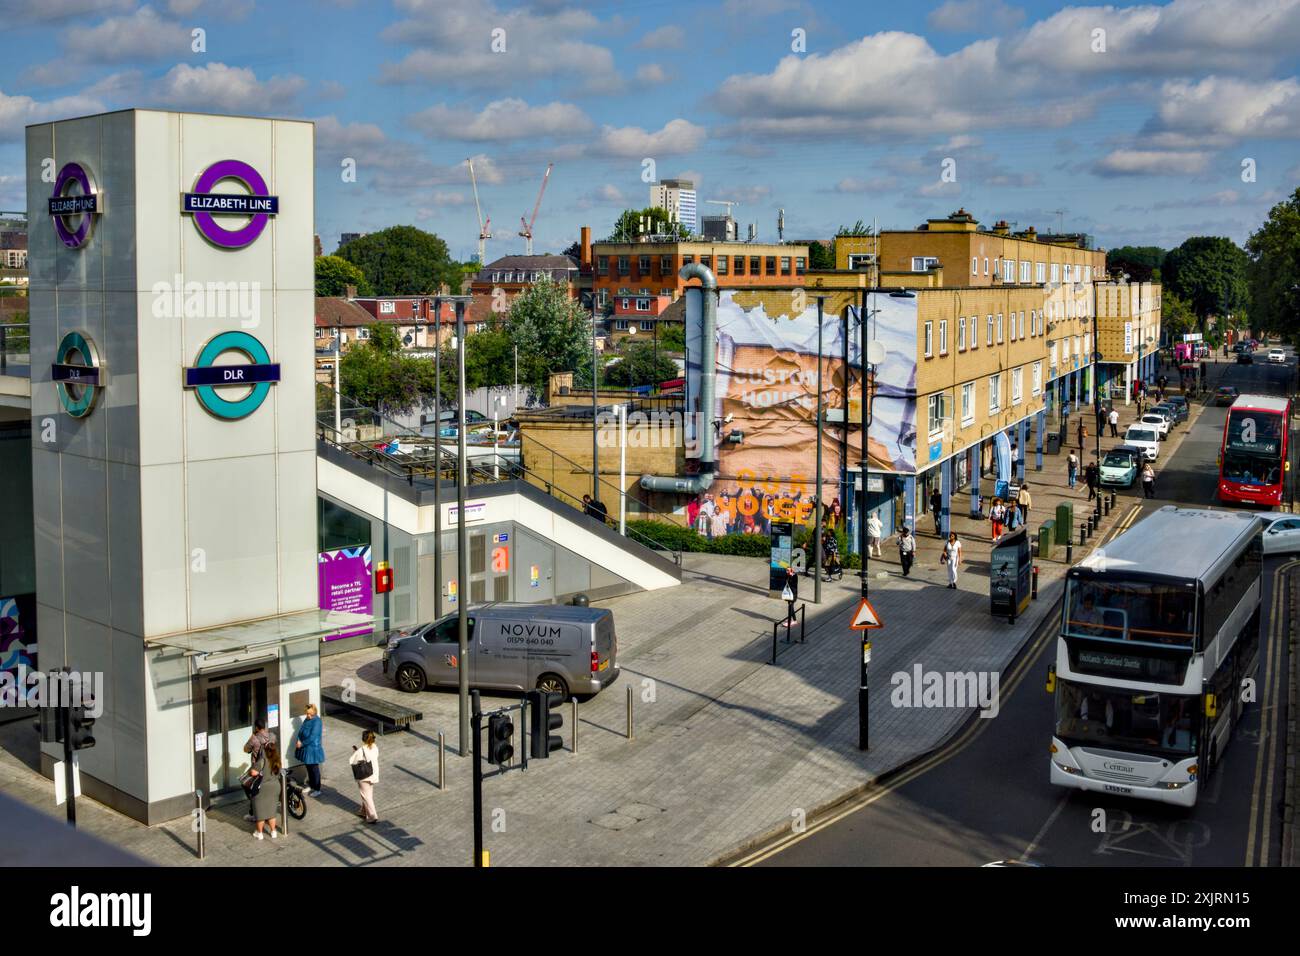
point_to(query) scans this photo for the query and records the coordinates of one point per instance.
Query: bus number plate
(1111, 788)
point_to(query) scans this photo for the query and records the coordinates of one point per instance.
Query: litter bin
(1064, 521)
(1010, 569)
(1053, 443)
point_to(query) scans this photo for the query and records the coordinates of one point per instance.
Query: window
(1024, 270)
(706, 261)
(496, 276)
(624, 305)
(740, 265)
(800, 265)
(936, 403)
(1087, 273)
(968, 403)
(785, 265)
(995, 393)
(1036, 379)
(771, 266)
(999, 328)
(990, 334)
(961, 334)
(1008, 270)
(643, 265)
(620, 325)
(1065, 272)
(687, 260)
(974, 340)
(602, 267)
(755, 266)
(1017, 385)
(643, 305)
(986, 265)
(974, 265)
(1022, 325)
(929, 339)
(387, 308)
(943, 336)
(665, 265)
(363, 334)
(997, 267)
(1040, 272)
(724, 265)
(667, 292)
(1056, 272)
(622, 266)
(924, 263)
(861, 261)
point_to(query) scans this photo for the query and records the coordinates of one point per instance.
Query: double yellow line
(948, 751)
(1270, 724)
(1124, 525)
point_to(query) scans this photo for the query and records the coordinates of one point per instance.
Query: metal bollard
(1107, 507)
(203, 824)
(629, 713)
(284, 800)
(1092, 523)
(1033, 588)
(442, 761)
(1069, 552)
(575, 725)
(1083, 533)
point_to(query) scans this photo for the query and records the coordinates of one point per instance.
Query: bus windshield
(1253, 432)
(1252, 469)
(1150, 611)
(1127, 720)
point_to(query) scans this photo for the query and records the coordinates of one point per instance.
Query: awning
(267, 634)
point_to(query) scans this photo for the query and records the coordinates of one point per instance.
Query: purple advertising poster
(346, 584)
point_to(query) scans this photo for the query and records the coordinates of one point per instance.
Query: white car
(1156, 421)
(1277, 355)
(1281, 533)
(1145, 437)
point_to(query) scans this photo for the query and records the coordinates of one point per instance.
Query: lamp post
(819, 490)
(595, 443)
(437, 457)
(462, 537)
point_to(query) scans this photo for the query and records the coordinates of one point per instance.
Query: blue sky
(1131, 122)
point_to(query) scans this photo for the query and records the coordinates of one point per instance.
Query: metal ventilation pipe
(694, 484)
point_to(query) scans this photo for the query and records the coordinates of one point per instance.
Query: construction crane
(484, 225)
(723, 202)
(527, 227)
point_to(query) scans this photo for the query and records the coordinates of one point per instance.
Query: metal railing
(15, 346)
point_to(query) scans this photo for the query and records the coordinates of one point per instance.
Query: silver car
(512, 647)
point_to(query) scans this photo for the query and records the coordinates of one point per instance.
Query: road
(985, 796)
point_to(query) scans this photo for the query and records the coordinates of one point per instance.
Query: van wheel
(410, 679)
(553, 684)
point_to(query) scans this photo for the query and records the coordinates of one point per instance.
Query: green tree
(629, 225)
(672, 337)
(403, 260)
(1274, 274)
(375, 373)
(489, 358)
(334, 274)
(1176, 316)
(1210, 273)
(821, 255)
(1142, 263)
(640, 366)
(551, 330)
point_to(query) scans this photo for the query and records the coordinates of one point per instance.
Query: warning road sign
(865, 617)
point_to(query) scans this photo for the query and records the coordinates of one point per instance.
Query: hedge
(674, 537)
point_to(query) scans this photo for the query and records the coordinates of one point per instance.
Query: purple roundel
(70, 173)
(256, 185)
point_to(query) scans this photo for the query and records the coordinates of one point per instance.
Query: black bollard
(1033, 588)
(1069, 552)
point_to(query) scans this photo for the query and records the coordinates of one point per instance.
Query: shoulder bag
(362, 769)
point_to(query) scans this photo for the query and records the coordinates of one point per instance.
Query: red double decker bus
(1253, 461)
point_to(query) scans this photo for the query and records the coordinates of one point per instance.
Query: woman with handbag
(309, 750)
(365, 768)
(952, 558)
(264, 788)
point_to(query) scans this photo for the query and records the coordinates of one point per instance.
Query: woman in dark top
(266, 802)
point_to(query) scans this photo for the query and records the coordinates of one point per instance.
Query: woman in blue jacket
(309, 749)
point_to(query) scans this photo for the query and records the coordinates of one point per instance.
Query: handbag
(252, 783)
(362, 769)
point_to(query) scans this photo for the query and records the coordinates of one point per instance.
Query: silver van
(512, 647)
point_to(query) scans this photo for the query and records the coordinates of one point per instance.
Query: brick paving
(727, 747)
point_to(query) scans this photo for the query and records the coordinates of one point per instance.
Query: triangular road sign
(865, 617)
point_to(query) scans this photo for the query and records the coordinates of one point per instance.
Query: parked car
(1120, 467)
(1276, 354)
(1245, 358)
(1281, 533)
(1225, 395)
(1157, 421)
(1170, 411)
(512, 647)
(1179, 404)
(1144, 437)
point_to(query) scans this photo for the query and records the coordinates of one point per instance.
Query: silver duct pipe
(694, 484)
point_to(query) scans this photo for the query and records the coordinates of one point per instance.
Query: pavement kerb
(829, 807)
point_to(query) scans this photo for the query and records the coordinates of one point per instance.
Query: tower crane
(484, 225)
(526, 229)
(723, 202)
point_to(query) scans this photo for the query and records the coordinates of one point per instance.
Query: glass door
(231, 704)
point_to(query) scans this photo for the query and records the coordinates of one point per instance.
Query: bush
(745, 545)
(677, 538)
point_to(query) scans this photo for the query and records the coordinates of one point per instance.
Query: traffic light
(544, 716)
(501, 730)
(79, 726)
(50, 725)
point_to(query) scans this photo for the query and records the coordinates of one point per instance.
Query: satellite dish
(876, 352)
(631, 330)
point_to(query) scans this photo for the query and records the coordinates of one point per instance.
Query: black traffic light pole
(476, 722)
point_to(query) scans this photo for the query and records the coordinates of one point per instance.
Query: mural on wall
(347, 584)
(18, 633)
(767, 383)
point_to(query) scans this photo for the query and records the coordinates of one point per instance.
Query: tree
(489, 358)
(551, 330)
(1210, 273)
(629, 225)
(1142, 263)
(376, 374)
(334, 274)
(640, 366)
(821, 255)
(672, 337)
(1176, 316)
(1274, 273)
(403, 260)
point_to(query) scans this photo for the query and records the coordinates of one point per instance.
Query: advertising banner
(345, 579)
(767, 386)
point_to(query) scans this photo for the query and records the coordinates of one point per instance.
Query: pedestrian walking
(790, 593)
(265, 789)
(874, 529)
(936, 509)
(906, 549)
(1024, 501)
(253, 747)
(1113, 420)
(952, 558)
(309, 751)
(1072, 468)
(997, 518)
(1090, 476)
(365, 769)
(1083, 434)
(1148, 480)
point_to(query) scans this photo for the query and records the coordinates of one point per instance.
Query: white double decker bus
(1159, 630)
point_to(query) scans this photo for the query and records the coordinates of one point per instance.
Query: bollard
(442, 761)
(1083, 533)
(1092, 521)
(575, 725)
(1069, 553)
(284, 800)
(203, 824)
(629, 713)
(1107, 507)
(1033, 588)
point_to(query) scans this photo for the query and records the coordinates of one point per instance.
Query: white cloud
(610, 193)
(974, 16)
(401, 168)
(223, 88)
(667, 37)
(143, 35)
(651, 73)
(878, 184)
(676, 136)
(1220, 109)
(1151, 162)
(502, 120)
(746, 195)
(17, 112)
(333, 135)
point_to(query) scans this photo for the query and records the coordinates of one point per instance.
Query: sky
(1141, 124)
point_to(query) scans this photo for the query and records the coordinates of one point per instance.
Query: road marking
(1006, 690)
(1042, 831)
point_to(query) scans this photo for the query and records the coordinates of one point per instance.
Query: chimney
(351, 292)
(584, 243)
